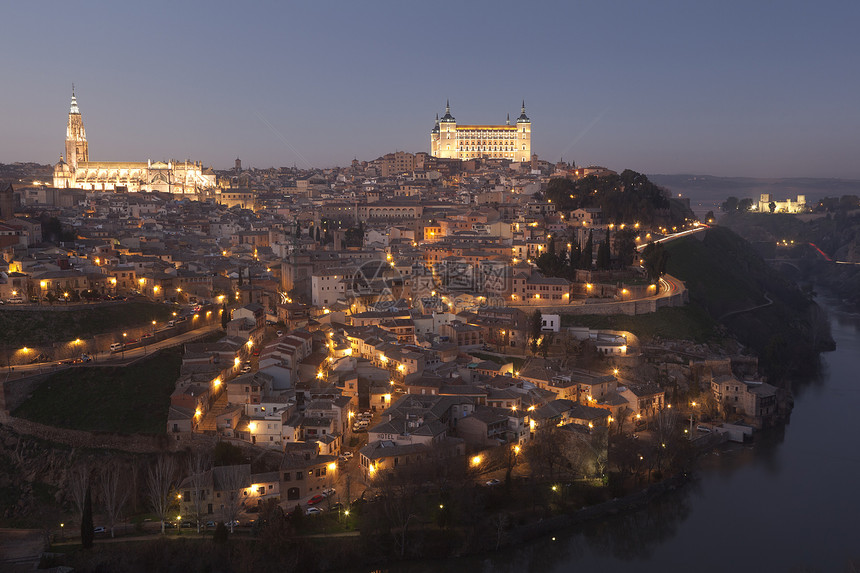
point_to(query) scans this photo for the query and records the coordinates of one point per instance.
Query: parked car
(211, 524)
(492, 482)
(280, 333)
(328, 492)
(347, 455)
(313, 511)
(702, 428)
(99, 529)
(316, 499)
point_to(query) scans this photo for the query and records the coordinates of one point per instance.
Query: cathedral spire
(508, 121)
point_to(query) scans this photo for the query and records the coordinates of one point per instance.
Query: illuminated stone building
(451, 141)
(76, 171)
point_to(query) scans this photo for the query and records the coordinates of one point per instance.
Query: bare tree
(114, 491)
(399, 492)
(623, 413)
(160, 484)
(500, 521)
(198, 465)
(233, 480)
(79, 482)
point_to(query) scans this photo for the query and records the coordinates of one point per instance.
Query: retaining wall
(137, 443)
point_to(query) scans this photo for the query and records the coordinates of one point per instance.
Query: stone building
(451, 141)
(76, 171)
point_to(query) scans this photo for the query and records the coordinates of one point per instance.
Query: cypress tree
(603, 254)
(575, 256)
(587, 252)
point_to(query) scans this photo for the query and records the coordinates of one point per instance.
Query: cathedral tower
(76, 138)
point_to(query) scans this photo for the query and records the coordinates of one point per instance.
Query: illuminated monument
(78, 172)
(452, 141)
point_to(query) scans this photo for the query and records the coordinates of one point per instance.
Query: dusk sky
(761, 89)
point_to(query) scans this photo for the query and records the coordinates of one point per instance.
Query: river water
(788, 502)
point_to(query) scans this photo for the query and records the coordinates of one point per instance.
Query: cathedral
(76, 171)
(452, 141)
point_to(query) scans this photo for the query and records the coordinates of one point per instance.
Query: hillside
(836, 234)
(726, 276)
(35, 327)
(124, 400)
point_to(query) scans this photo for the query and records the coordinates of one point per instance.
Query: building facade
(451, 141)
(76, 171)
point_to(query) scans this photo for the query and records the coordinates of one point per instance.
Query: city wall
(629, 307)
(632, 307)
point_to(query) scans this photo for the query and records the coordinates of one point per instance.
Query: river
(788, 502)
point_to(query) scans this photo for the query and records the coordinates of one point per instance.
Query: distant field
(41, 327)
(127, 400)
(689, 322)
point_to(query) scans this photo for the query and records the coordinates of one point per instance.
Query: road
(674, 236)
(121, 358)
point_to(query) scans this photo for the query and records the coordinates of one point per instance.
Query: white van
(116, 347)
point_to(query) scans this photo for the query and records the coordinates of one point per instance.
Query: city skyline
(659, 89)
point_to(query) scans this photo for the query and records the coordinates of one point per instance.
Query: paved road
(669, 238)
(120, 358)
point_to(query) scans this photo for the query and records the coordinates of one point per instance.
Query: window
(287, 476)
(300, 476)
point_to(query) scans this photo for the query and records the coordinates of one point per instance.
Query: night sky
(762, 89)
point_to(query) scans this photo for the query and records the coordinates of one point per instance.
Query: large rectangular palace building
(452, 141)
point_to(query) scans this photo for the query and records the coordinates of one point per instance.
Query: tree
(573, 261)
(400, 495)
(160, 485)
(79, 483)
(771, 206)
(654, 259)
(730, 205)
(225, 316)
(317, 232)
(114, 492)
(587, 252)
(87, 529)
(745, 204)
(709, 217)
(198, 464)
(603, 254)
(298, 231)
(220, 535)
(535, 330)
(625, 246)
(543, 346)
(233, 479)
